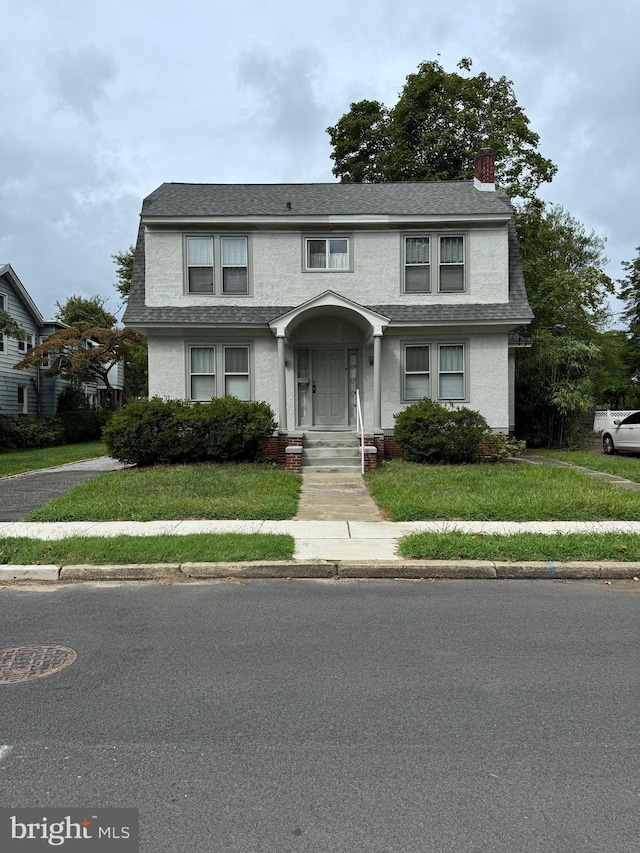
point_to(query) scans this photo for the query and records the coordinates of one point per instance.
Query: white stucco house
(299, 294)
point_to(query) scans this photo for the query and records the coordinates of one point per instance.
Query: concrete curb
(338, 569)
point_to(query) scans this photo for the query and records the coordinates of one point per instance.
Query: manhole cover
(24, 663)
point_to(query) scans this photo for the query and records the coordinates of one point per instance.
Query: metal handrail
(360, 429)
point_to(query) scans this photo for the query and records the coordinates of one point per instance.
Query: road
(335, 716)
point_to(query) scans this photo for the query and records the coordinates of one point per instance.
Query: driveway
(22, 493)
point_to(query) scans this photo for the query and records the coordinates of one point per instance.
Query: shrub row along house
(31, 391)
(302, 294)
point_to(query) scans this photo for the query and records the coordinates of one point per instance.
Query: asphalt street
(334, 715)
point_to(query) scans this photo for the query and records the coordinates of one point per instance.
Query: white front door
(329, 387)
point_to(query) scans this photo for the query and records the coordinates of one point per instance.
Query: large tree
(124, 271)
(11, 327)
(137, 369)
(630, 294)
(79, 309)
(83, 352)
(434, 131)
(556, 380)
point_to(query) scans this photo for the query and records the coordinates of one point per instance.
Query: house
(31, 391)
(301, 294)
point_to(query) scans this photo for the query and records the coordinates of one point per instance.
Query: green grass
(621, 466)
(21, 461)
(190, 491)
(522, 546)
(195, 548)
(503, 492)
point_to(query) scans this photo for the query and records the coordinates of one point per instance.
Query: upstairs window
(234, 265)
(330, 253)
(417, 265)
(200, 264)
(25, 346)
(451, 264)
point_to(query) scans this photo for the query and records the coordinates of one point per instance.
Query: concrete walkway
(336, 497)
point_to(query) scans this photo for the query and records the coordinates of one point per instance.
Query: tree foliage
(83, 352)
(563, 267)
(629, 293)
(124, 271)
(434, 131)
(11, 327)
(78, 309)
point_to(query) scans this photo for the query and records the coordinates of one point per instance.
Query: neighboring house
(299, 294)
(31, 391)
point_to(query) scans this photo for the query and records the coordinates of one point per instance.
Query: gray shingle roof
(424, 198)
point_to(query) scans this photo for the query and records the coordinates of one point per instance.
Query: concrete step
(320, 452)
(331, 441)
(331, 469)
(330, 460)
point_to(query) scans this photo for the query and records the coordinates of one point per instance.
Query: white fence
(606, 418)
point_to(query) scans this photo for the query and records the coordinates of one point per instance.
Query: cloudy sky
(102, 102)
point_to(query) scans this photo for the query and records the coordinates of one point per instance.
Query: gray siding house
(303, 294)
(31, 391)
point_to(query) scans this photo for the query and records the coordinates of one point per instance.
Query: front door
(329, 387)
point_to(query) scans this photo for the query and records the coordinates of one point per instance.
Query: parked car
(623, 435)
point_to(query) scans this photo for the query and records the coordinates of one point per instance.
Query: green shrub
(83, 424)
(156, 432)
(72, 398)
(430, 432)
(496, 447)
(30, 432)
(8, 434)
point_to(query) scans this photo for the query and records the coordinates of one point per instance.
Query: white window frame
(224, 266)
(220, 375)
(226, 372)
(327, 237)
(25, 399)
(429, 265)
(442, 264)
(435, 265)
(3, 344)
(434, 373)
(3, 307)
(25, 346)
(405, 372)
(462, 372)
(217, 267)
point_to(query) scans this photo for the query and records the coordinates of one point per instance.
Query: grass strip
(21, 461)
(189, 491)
(502, 492)
(620, 466)
(558, 547)
(194, 548)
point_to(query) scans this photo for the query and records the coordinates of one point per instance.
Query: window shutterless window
(416, 372)
(23, 399)
(24, 346)
(235, 277)
(200, 264)
(236, 372)
(3, 302)
(417, 265)
(330, 253)
(202, 371)
(451, 257)
(451, 385)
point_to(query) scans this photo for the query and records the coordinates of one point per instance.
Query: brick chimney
(484, 170)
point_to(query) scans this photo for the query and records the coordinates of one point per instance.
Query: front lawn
(621, 466)
(189, 491)
(504, 492)
(101, 550)
(21, 461)
(558, 547)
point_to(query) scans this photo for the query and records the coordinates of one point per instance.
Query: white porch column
(377, 382)
(282, 385)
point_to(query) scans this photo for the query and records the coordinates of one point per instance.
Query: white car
(623, 435)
